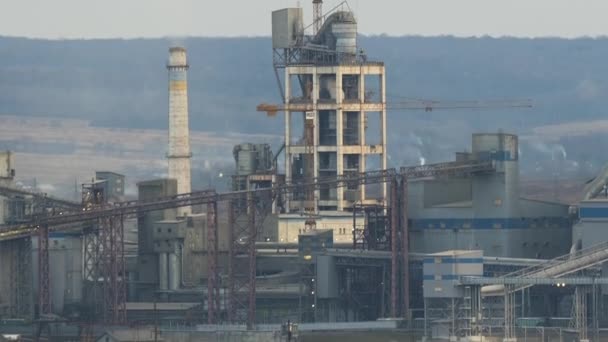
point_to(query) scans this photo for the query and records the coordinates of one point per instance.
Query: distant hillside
(122, 83)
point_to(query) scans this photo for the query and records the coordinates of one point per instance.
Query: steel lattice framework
(44, 286)
(112, 260)
(245, 222)
(213, 295)
(317, 15)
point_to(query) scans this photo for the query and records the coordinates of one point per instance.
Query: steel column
(252, 236)
(394, 246)
(112, 260)
(509, 307)
(44, 287)
(242, 248)
(24, 278)
(405, 250)
(317, 15)
(121, 273)
(213, 307)
(232, 234)
(580, 311)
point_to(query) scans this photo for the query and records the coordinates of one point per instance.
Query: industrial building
(332, 96)
(484, 211)
(334, 240)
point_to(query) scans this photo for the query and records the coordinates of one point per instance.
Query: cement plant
(318, 239)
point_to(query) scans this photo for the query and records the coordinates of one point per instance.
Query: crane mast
(317, 8)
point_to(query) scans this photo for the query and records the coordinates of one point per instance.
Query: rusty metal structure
(245, 225)
(213, 295)
(104, 256)
(106, 221)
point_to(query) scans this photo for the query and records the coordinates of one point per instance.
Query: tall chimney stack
(179, 136)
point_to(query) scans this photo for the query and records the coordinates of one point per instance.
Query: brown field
(61, 152)
(570, 129)
(82, 149)
(567, 191)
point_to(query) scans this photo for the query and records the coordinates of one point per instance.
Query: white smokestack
(179, 136)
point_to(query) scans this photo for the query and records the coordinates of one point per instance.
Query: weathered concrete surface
(360, 336)
(6, 261)
(224, 336)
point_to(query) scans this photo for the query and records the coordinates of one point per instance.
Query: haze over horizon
(76, 19)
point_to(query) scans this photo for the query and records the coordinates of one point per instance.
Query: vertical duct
(163, 278)
(174, 271)
(179, 138)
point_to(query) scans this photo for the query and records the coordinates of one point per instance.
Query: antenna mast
(317, 15)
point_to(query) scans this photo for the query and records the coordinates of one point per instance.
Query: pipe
(564, 265)
(163, 283)
(174, 274)
(597, 185)
(576, 246)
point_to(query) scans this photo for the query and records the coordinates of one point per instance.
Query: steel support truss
(213, 286)
(244, 226)
(579, 308)
(44, 286)
(112, 260)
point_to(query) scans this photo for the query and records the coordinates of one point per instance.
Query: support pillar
(405, 250)
(114, 270)
(242, 263)
(339, 137)
(580, 312)
(509, 307)
(288, 157)
(213, 296)
(44, 286)
(394, 247)
(233, 233)
(251, 222)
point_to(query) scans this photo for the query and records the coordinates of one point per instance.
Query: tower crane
(425, 105)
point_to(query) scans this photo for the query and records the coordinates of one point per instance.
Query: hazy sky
(161, 18)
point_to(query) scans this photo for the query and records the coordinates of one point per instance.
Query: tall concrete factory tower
(179, 137)
(335, 109)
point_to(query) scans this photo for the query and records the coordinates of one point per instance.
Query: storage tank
(495, 146)
(245, 156)
(497, 194)
(346, 37)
